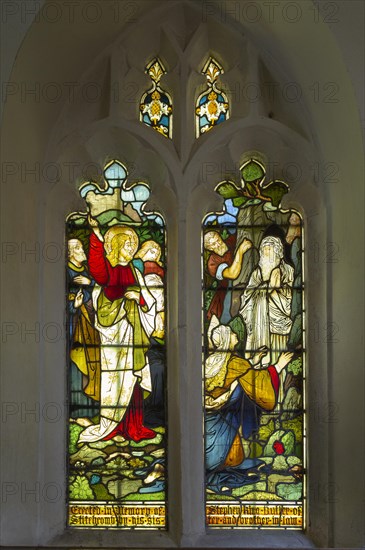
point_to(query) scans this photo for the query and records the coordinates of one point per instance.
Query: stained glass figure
(254, 357)
(156, 104)
(116, 357)
(212, 106)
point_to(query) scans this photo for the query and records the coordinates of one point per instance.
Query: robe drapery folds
(234, 394)
(266, 311)
(260, 385)
(85, 352)
(216, 263)
(84, 338)
(125, 327)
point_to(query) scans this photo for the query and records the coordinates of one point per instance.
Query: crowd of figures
(253, 336)
(253, 341)
(116, 338)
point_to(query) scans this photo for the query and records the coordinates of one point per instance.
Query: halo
(117, 230)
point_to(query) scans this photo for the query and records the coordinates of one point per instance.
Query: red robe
(214, 261)
(153, 267)
(115, 282)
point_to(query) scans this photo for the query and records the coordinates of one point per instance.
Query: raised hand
(78, 299)
(82, 280)
(93, 223)
(275, 278)
(132, 295)
(257, 357)
(245, 245)
(283, 360)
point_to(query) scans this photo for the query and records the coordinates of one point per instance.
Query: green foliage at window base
(296, 426)
(80, 489)
(290, 491)
(75, 431)
(101, 492)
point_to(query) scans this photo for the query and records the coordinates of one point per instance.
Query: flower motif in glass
(156, 104)
(212, 106)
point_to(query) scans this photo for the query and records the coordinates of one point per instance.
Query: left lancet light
(116, 356)
(156, 104)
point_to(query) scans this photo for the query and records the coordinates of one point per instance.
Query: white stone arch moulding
(175, 173)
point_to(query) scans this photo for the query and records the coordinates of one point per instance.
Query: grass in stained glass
(253, 357)
(117, 358)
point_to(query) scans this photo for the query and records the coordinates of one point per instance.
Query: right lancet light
(254, 357)
(212, 106)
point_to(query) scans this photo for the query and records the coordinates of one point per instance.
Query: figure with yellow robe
(125, 319)
(84, 338)
(236, 391)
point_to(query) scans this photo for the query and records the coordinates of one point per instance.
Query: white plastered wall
(308, 133)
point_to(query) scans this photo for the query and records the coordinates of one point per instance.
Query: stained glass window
(156, 104)
(253, 357)
(116, 357)
(212, 106)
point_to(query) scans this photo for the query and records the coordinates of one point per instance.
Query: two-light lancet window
(253, 334)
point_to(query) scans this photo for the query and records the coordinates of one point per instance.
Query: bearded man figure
(223, 266)
(84, 339)
(266, 302)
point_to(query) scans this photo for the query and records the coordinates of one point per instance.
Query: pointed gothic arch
(70, 136)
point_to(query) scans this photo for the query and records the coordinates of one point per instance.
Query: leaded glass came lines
(156, 104)
(116, 357)
(212, 105)
(253, 357)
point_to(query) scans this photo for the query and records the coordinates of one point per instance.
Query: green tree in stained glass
(254, 356)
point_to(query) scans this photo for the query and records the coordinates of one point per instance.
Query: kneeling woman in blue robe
(236, 392)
